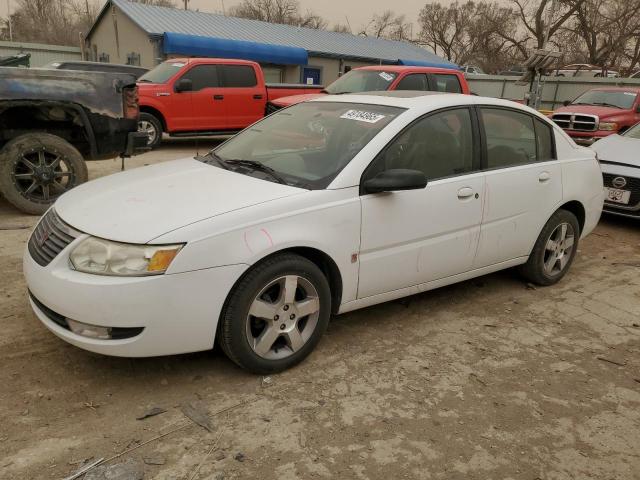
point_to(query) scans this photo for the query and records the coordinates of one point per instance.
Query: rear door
(523, 183)
(243, 96)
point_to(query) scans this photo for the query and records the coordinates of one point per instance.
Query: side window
(414, 81)
(203, 76)
(238, 76)
(440, 145)
(511, 138)
(447, 83)
(545, 141)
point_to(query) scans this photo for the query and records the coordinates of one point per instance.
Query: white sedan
(620, 165)
(321, 208)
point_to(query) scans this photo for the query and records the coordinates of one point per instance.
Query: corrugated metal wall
(555, 91)
(40, 54)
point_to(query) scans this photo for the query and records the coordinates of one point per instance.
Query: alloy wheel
(283, 317)
(41, 175)
(558, 249)
(148, 128)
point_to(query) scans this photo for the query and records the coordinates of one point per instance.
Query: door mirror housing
(395, 180)
(184, 85)
(566, 103)
(638, 109)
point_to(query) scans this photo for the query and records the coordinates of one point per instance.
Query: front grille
(633, 184)
(49, 238)
(575, 121)
(271, 108)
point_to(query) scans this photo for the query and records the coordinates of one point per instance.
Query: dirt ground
(487, 379)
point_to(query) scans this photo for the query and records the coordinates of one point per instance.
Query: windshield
(362, 81)
(162, 72)
(306, 145)
(607, 98)
(633, 132)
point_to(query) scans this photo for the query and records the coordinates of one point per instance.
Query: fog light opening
(89, 331)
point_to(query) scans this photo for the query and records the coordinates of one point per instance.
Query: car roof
(405, 68)
(409, 99)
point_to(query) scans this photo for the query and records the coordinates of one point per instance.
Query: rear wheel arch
(576, 207)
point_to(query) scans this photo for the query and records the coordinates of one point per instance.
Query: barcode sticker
(388, 77)
(361, 116)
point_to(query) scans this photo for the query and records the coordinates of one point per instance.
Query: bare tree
(277, 11)
(609, 30)
(468, 32)
(388, 25)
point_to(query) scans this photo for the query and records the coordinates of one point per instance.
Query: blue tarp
(424, 63)
(194, 45)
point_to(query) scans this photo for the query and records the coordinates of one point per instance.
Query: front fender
(324, 220)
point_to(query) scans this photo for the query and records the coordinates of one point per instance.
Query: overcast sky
(335, 11)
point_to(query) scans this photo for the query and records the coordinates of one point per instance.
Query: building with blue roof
(145, 35)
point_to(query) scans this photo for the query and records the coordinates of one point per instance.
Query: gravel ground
(487, 379)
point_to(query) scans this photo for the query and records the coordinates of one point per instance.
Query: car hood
(294, 99)
(139, 205)
(597, 110)
(619, 149)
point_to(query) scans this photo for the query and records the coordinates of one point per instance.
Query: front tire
(554, 250)
(152, 127)
(36, 168)
(276, 314)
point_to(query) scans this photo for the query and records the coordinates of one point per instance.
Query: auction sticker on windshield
(388, 77)
(361, 116)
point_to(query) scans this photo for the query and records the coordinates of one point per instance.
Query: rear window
(447, 83)
(238, 76)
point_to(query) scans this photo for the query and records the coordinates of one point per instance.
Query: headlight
(608, 126)
(103, 257)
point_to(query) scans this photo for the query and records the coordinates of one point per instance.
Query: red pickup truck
(598, 113)
(205, 96)
(385, 77)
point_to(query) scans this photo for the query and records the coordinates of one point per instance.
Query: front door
(417, 236)
(523, 182)
(205, 102)
(311, 76)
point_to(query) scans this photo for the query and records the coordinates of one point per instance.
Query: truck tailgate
(278, 90)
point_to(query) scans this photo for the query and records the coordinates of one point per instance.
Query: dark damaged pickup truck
(51, 121)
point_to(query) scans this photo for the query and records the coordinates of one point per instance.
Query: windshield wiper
(261, 167)
(605, 104)
(212, 156)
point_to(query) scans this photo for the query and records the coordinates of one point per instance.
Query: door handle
(218, 97)
(544, 177)
(465, 192)
(257, 97)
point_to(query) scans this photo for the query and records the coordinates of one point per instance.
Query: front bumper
(178, 313)
(588, 138)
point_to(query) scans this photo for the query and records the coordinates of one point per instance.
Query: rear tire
(276, 314)
(152, 126)
(554, 250)
(36, 168)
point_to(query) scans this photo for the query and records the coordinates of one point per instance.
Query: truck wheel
(36, 168)
(150, 125)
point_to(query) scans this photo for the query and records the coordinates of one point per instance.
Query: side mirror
(395, 180)
(184, 85)
(638, 109)
(566, 103)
